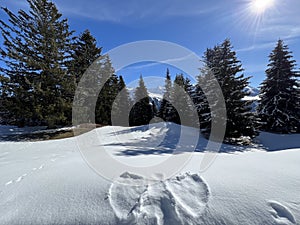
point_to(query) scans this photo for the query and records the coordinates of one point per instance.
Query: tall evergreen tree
(96, 92)
(141, 113)
(36, 49)
(122, 105)
(4, 113)
(84, 54)
(86, 57)
(154, 109)
(226, 68)
(201, 103)
(165, 106)
(107, 94)
(278, 108)
(182, 110)
(192, 118)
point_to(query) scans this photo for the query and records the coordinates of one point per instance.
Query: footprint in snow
(9, 182)
(41, 167)
(21, 178)
(178, 200)
(17, 180)
(281, 213)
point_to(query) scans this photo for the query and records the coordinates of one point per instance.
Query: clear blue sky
(194, 24)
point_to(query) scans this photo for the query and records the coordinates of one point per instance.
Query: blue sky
(194, 24)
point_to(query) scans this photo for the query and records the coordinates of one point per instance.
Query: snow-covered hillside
(49, 182)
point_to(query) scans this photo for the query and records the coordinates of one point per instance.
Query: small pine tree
(141, 112)
(279, 105)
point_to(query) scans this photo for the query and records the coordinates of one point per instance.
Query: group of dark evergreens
(43, 63)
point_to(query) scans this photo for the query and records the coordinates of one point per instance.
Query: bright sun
(259, 6)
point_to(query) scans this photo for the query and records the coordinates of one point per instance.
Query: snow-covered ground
(49, 182)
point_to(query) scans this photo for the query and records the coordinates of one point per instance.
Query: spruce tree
(182, 110)
(95, 93)
(201, 103)
(36, 50)
(165, 106)
(108, 92)
(192, 117)
(141, 112)
(154, 109)
(222, 62)
(4, 95)
(279, 105)
(84, 54)
(122, 105)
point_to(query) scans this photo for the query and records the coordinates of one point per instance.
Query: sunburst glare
(252, 14)
(260, 6)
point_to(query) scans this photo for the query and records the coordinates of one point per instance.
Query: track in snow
(281, 213)
(179, 200)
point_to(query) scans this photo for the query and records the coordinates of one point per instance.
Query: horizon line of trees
(44, 63)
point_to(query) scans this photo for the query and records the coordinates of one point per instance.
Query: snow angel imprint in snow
(174, 201)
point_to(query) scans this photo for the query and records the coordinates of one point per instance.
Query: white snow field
(49, 182)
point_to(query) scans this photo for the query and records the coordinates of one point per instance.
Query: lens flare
(259, 6)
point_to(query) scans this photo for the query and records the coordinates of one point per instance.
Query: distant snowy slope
(49, 182)
(252, 90)
(153, 92)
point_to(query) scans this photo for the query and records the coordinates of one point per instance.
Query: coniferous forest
(43, 62)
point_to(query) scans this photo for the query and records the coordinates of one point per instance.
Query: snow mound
(175, 201)
(281, 213)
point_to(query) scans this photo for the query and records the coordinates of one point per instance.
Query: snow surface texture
(48, 182)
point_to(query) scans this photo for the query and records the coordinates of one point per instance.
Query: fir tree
(201, 103)
(95, 93)
(84, 54)
(4, 103)
(279, 105)
(226, 68)
(107, 94)
(166, 106)
(154, 109)
(182, 110)
(36, 50)
(141, 113)
(122, 105)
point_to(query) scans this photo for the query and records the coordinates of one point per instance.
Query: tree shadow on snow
(165, 142)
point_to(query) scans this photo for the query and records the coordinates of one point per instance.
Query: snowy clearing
(49, 182)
